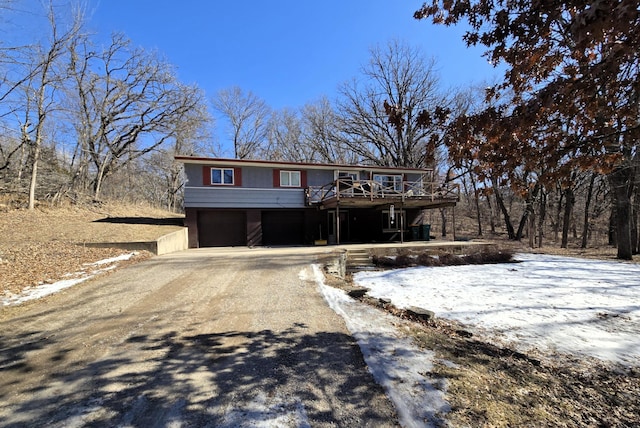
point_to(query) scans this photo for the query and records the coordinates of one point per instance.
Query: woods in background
(549, 154)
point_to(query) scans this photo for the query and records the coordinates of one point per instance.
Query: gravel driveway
(208, 337)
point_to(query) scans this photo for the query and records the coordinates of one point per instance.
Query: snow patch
(42, 290)
(570, 305)
(393, 359)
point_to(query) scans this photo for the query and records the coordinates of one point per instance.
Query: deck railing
(374, 189)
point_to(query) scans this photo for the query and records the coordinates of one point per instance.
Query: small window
(222, 176)
(290, 178)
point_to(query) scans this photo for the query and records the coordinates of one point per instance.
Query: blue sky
(287, 52)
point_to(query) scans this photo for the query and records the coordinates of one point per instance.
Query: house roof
(305, 165)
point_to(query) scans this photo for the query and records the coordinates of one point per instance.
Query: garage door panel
(283, 227)
(222, 228)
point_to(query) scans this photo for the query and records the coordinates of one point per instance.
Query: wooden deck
(371, 193)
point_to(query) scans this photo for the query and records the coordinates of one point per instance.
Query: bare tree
(127, 100)
(320, 132)
(47, 75)
(191, 136)
(393, 117)
(247, 116)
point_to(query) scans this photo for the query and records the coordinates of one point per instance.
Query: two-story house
(254, 202)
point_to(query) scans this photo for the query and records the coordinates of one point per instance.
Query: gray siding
(194, 174)
(253, 177)
(257, 177)
(242, 197)
(319, 177)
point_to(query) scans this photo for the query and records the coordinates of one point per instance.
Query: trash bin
(426, 232)
(415, 232)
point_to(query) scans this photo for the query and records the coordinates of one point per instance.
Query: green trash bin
(426, 232)
(415, 232)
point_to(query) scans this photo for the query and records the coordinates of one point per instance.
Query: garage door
(282, 227)
(222, 228)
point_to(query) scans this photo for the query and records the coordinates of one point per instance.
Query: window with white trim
(290, 179)
(222, 176)
(388, 183)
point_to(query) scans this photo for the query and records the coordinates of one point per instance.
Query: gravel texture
(198, 338)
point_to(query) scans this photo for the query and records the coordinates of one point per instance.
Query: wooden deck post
(453, 226)
(338, 223)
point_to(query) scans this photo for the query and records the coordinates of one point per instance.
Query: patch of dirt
(44, 245)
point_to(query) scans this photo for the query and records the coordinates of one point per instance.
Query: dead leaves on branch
(572, 76)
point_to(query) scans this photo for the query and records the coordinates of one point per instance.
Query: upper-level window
(222, 176)
(389, 182)
(290, 179)
(342, 175)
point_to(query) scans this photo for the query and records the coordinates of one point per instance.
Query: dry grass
(47, 243)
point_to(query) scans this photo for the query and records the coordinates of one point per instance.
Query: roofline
(286, 164)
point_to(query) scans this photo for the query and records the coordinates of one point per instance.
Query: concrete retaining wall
(176, 241)
(172, 242)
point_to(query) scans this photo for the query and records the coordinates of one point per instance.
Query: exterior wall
(242, 197)
(256, 200)
(319, 177)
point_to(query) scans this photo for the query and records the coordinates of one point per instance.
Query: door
(222, 228)
(283, 227)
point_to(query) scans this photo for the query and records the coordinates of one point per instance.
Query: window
(392, 224)
(290, 179)
(388, 183)
(222, 176)
(353, 175)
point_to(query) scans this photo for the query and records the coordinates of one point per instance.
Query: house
(232, 202)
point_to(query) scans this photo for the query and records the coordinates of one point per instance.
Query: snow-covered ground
(553, 303)
(569, 305)
(42, 290)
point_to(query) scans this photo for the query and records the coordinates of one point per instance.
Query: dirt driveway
(220, 338)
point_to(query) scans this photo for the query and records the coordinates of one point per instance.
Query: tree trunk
(543, 214)
(34, 174)
(570, 200)
(556, 226)
(613, 239)
(587, 206)
(476, 197)
(505, 213)
(621, 185)
(635, 239)
(492, 220)
(529, 210)
(443, 216)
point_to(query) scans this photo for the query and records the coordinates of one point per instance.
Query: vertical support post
(453, 226)
(338, 223)
(402, 221)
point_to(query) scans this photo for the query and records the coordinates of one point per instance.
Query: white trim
(296, 165)
(290, 172)
(222, 171)
(239, 188)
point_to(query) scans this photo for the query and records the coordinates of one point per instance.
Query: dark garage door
(222, 228)
(282, 227)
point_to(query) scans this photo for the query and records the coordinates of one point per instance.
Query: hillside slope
(46, 244)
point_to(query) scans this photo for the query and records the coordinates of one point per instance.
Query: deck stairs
(358, 260)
